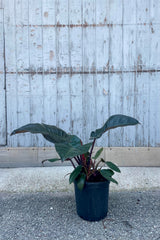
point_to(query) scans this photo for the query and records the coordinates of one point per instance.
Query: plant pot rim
(99, 184)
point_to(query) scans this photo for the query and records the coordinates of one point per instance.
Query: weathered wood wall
(72, 63)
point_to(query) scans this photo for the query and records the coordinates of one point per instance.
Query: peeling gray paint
(73, 63)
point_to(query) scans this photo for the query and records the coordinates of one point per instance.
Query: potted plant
(91, 182)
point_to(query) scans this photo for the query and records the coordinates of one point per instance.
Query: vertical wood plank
(48, 12)
(143, 12)
(22, 55)
(10, 46)
(62, 64)
(154, 110)
(115, 12)
(63, 103)
(22, 45)
(50, 102)
(89, 65)
(49, 35)
(89, 106)
(36, 106)
(128, 108)
(154, 47)
(143, 43)
(76, 105)
(11, 87)
(116, 98)
(1, 4)
(102, 99)
(102, 61)
(36, 67)
(62, 51)
(35, 49)
(89, 57)
(102, 51)
(75, 35)
(129, 48)
(11, 68)
(129, 14)
(49, 49)
(35, 20)
(49, 63)
(154, 11)
(2, 83)
(116, 48)
(142, 109)
(23, 108)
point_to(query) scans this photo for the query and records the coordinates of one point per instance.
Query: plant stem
(77, 160)
(92, 147)
(69, 159)
(98, 163)
(90, 154)
(72, 163)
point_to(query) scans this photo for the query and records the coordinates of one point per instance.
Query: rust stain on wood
(39, 46)
(84, 25)
(46, 14)
(68, 71)
(51, 55)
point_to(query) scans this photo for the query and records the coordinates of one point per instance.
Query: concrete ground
(56, 178)
(52, 215)
(39, 203)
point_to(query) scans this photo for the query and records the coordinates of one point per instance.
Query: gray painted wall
(73, 63)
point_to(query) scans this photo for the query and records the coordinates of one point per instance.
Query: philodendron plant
(70, 148)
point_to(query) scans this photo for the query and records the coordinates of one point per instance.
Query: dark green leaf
(66, 150)
(107, 172)
(113, 166)
(98, 153)
(86, 155)
(102, 160)
(75, 174)
(107, 175)
(51, 133)
(113, 122)
(53, 159)
(66, 145)
(81, 181)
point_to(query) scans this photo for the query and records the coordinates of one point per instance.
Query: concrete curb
(48, 179)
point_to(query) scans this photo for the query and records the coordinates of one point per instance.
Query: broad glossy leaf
(66, 145)
(98, 153)
(114, 121)
(75, 174)
(113, 166)
(81, 181)
(67, 150)
(51, 133)
(107, 175)
(74, 141)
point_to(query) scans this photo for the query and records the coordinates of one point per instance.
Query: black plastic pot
(92, 201)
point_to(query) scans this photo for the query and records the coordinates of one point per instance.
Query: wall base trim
(123, 156)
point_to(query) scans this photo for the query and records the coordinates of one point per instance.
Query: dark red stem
(91, 152)
(69, 159)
